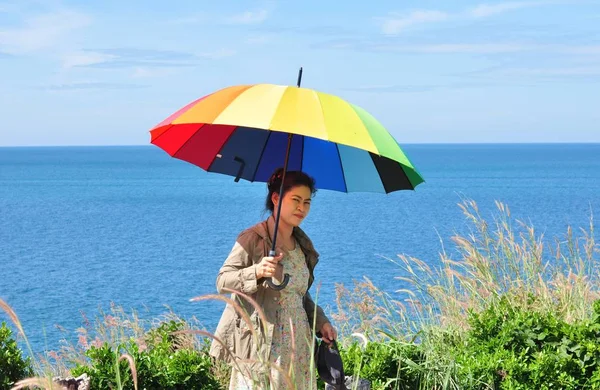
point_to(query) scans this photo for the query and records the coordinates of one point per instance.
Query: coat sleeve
(238, 271)
(315, 313)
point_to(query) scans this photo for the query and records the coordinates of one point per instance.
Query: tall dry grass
(507, 257)
(113, 327)
(43, 379)
(500, 256)
(116, 327)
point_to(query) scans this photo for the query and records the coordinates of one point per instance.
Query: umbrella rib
(337, 148)
(262, 152)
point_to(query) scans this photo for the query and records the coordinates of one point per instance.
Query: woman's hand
(328, 333)
(269, 267)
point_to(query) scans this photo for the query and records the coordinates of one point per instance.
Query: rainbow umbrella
(247, 131)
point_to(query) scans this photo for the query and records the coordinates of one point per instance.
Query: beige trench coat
(239, 273)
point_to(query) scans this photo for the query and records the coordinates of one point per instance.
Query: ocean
(84, 227)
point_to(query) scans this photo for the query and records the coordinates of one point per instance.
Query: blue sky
(105, 72)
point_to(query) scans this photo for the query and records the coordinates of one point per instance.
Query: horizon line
(402, 144)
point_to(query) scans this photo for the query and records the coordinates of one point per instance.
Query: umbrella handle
(277, 287)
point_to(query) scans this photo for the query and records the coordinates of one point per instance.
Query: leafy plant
(13, 366)
(163, 363)
(387, 365)
(513, 348)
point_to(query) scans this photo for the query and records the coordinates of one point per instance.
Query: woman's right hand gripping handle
(269, 267)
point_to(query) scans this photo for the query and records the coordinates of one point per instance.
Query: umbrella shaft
(285, 166)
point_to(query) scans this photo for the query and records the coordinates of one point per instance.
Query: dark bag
(329, 365)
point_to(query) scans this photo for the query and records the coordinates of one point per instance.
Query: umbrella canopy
(244, 131)
(248, 131)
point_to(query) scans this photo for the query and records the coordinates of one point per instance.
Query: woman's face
(295, 206)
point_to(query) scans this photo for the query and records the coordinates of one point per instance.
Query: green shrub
(13, 367)
(505, 347)
(512, 348)
(387, 365)
(161, 364)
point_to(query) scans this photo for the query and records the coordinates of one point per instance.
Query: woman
(285, 341)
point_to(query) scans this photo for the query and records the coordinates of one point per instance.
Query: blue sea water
(81, 227)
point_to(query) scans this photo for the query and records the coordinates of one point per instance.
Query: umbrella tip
(299, 77)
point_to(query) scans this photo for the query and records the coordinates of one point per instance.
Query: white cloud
(244, 18)
(588, 54)
(484, 48)
(249, 17)
(6, 8)
(42, 32)
(134, 58)
(161, 71)
(258, 40)
(552, 72)
(490, 48)
(590, 49)
(395, 24)
(189, 19)
(485, 10)
(215, 55)
(140, 72)
(76, 86)
(74, 59)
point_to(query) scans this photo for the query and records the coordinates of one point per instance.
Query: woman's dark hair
(292, 179)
